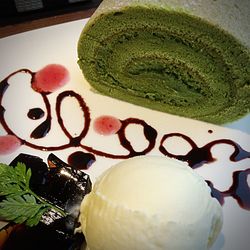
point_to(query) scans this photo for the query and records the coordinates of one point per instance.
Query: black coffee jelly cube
(63, 186)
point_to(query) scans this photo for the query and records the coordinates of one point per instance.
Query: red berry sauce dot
(107, 125)
(50, 78)
(9, 144)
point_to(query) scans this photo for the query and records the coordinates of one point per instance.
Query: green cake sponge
(187, 58)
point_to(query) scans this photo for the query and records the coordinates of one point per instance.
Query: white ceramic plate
(57, 44)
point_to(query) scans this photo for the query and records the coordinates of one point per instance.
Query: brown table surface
(12, 29)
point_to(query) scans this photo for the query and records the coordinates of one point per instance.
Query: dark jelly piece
(38, 168)
(40, 238)
(64, 187)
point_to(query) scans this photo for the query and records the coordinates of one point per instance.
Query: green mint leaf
(10, 189)
(20, 172)
(28, 176)
(25, 207)
(7, 174)
(32, 221)
(21, 204)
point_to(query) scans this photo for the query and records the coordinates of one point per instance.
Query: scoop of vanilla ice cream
(150, 202)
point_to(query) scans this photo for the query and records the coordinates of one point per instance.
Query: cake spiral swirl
(166, 57)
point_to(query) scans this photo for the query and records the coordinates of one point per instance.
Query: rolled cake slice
(188, 58)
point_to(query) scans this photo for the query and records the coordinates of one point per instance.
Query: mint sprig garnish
(20, 203)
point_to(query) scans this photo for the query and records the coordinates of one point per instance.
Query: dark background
(18, 11)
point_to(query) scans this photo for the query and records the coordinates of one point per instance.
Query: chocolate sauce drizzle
(239, 190)
(35, 113)
(196, 157)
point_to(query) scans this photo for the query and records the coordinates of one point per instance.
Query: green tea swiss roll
(188, 58)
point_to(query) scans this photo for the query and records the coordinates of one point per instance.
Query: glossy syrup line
(196, 157)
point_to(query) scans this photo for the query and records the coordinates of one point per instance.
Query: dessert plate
(94, 132)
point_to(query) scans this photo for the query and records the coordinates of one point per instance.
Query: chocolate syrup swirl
(239, 190)
(35, 113)
(196, 157)
(43, 129)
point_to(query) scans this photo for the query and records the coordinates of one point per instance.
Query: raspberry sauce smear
(107, 125)
(50, 78)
